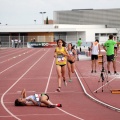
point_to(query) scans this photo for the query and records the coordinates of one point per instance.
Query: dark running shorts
(70, 62)
(94, 57)
(45, 94)
(110, 58)
(61, 65)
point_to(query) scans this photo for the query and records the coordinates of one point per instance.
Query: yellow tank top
(61, 59)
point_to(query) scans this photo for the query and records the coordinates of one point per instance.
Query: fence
(6, 41)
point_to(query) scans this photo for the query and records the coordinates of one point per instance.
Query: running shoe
(58, 89)
(109, 72)
(51, 106)
(95, 71)
(92, 71)
(65, 83)
(116, 73)
(70, 80)
(59, 105)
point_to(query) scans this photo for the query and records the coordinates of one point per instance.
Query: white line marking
(27, 91)
(103, 103)
(49, 76)
(32, 115)
(18, 62)
(75, 92)
(10, 59)
(52, 103)
(2, 97)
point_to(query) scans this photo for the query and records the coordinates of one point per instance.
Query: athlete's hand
(55, 56)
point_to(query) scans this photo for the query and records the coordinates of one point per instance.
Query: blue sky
(17, 12)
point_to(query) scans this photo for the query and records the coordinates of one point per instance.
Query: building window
(103, 34)
(96, 34)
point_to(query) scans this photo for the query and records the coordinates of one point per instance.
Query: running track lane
(23, 75)
(72, 97)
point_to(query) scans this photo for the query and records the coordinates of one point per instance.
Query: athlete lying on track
(41, 100)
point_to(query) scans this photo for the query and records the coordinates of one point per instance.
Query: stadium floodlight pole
(42, 16)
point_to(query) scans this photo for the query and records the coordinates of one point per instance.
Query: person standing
(12, 42)
(109, 48)
(79, 42)
(115, 47)
(71, 60)
(16, 42)
(95, 50)
(60, 54)
(19, 43)
(0, 44)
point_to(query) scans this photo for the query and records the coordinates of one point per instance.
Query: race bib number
(60, 58)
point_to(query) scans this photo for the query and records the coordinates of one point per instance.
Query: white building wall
(90, 36)
(71, 36)
(81, 35)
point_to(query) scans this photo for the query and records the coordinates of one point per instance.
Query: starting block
(116, 91)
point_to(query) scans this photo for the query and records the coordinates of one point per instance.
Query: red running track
(35, 70)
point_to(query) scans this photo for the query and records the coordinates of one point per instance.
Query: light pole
(42, 16)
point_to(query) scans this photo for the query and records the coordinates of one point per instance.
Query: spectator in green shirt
(109, 48)
(79, 42)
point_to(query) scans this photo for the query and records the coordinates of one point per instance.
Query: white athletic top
(34, 97)
(95, 48)
(70, 52)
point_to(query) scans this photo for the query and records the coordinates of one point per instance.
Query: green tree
(47, 20)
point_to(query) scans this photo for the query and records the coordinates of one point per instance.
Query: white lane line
(49, 76)
(27, 91)
(103, 103)
(51, 102)
(31, 115)
(75, 92)
(12, 53)
(2, 97)
(18, 62)
(10, 59)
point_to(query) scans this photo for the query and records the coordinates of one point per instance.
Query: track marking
(11, 53)
(27, 91)
(32, 115)
(18, 62)
(2, 97)
(51, 102)
(65, 92)
(96, 100)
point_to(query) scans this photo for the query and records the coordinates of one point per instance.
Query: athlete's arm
(75, 53)
(91, 46)
(33, 101)
(66, 52)
(55, 54)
